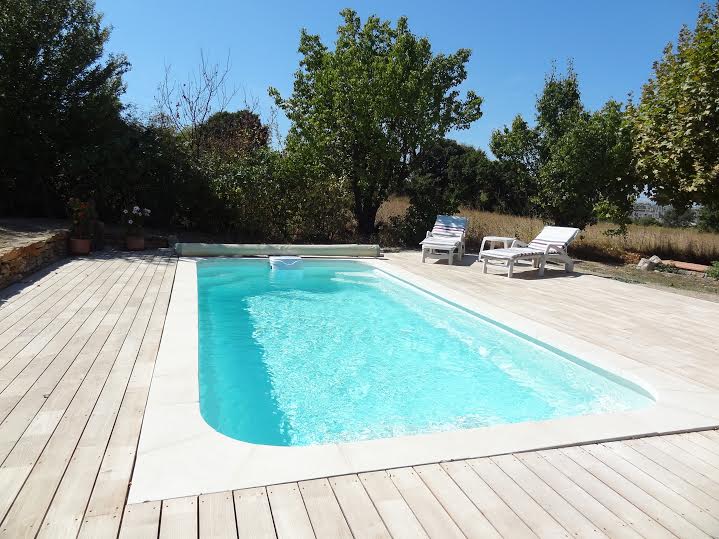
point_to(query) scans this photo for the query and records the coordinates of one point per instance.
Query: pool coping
(179, 454)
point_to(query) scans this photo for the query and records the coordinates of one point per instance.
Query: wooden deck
(77, 352)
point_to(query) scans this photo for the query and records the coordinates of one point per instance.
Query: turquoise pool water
(340, 351)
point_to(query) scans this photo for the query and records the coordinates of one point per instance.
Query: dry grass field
(668, 243)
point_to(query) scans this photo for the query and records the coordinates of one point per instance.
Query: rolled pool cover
(275, 249)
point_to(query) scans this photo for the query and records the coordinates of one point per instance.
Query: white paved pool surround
(179, 454)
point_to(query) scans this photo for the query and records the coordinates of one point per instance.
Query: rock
(646, 264)
(655, 260)
(23, 260)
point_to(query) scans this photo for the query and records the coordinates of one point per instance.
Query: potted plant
(82, 214)
(134, 221)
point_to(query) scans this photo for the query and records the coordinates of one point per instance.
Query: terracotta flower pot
(79, 246)
(135, 243)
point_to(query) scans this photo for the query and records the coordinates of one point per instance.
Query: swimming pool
(341, 351)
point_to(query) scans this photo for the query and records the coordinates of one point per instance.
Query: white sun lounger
(446, 239)
(549, 246)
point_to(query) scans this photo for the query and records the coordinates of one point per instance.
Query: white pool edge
(179, 454)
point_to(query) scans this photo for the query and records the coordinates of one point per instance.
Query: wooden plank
(395, 513)
(592, 509)
(687, 444)
(254, 517)
(460, 508)
(288, 511)
(217, 516)
(652, 486)
(666, 477)
(68, 342)
(362, 516)
(677, 453)
(141, 521)
(29, 320)
(680, 468)
(96, 393)
(18, 294)
(28, 301)
(324, 511)
(30, 334)
(499, 514)
(666, 516)
(112, 460)
(50, 394)
(50, 328)
(561, 510)
(712, 435)
(603, 493)
(427, 509)
(541, 522)
(705, 440)
(179, 518)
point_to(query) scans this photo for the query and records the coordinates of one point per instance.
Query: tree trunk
(366, 213)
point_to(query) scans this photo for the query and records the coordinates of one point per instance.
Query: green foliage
(367, 107)
(268, 196)
(433, 188)
(233, 133)
(708, 218)
(574, 166)
(82, 214)
(666, 268)
(676, 123)
(647, 221)
(713, 270)
(445, 175)
(679, 218)
(59, 102)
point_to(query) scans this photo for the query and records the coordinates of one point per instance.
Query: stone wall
(19, 262)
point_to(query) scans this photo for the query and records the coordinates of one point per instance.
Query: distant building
(649, 209)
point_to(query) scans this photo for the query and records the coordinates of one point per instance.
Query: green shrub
(267, 196)
(647, 221)
(708, 218)
(665, 268)
(713, 270)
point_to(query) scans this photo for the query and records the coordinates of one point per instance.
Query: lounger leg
(451, 257)
(424, 254)
(542, 261)
(510, 271)
(569, 266)
(484, 268)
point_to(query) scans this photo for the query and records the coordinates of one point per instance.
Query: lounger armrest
(517, 243)
(558, 247)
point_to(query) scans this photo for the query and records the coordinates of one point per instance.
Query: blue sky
(612, 43)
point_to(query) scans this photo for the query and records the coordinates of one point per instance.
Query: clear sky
(612, 43)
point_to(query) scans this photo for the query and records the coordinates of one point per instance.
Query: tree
(679, 218)
(369, 106)
(234, 133)
(708, 218)
(517, 166)
(187, 106)
(676, 122)
(59, 102)
(575, 165)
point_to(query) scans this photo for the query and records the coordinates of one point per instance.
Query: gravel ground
(691, 284)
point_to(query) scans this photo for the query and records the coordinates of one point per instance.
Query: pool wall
(275, 249)
(179, 454)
